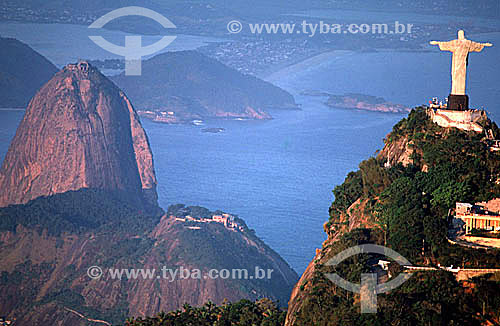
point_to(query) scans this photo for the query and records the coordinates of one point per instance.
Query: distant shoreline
(12, 109)
(302, 63)
(316, 59)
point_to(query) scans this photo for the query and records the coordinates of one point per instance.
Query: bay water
(278, 175)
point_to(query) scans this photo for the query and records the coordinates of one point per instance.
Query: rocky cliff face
(79, 131)
(356, 216)
(398, 151)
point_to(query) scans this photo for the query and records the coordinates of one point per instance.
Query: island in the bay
(365, 102)
(359, 101)
(186, 86)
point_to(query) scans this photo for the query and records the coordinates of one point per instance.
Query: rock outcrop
(22, 72)
(356, 216)
(364, 102)
(396, 152)
(79, 131)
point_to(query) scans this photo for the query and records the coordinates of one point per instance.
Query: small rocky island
(359, 101)
(365, 102)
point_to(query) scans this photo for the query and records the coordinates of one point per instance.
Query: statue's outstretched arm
(477, 47)
(444, 46)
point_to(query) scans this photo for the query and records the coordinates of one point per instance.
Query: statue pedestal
(458, 102)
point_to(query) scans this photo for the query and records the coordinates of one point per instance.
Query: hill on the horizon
(22, 72)
(196, 86)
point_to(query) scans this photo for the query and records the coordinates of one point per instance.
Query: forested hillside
(406, 208)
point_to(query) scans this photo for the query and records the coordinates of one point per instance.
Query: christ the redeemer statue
(460, 48)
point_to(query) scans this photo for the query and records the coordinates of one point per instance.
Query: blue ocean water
(278, 175)
(409, 78)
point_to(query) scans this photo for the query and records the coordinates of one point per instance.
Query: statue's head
(461, 35)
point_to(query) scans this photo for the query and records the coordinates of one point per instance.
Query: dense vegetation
(180, 210)
(260, 313)
(412, 206)
(411, 209)
(77, 211)
(427, 298)
(199, 212)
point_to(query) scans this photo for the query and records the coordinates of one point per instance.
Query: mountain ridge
(22, 72)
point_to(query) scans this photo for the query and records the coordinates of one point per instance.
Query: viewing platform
(462, 119)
